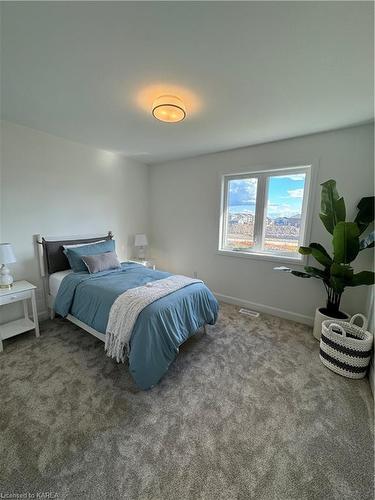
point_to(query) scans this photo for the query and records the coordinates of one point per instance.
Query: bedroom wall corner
(185, 200)
(52, 186)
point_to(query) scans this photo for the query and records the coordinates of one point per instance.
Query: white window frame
(262, 177)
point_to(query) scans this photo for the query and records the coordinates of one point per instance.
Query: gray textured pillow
(101, 262)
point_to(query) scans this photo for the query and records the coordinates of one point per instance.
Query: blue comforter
(160, 328)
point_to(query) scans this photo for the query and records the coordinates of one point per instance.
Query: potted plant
(336, 272)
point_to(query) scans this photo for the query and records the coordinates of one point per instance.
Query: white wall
(53, 186)
(56, 187)
(185, 200)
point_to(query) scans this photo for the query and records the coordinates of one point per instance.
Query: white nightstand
(146, 262)
(21, 290)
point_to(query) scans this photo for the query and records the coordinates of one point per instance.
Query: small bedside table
(21, 290)
(147, 263)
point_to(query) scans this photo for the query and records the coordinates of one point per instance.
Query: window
(264, 213)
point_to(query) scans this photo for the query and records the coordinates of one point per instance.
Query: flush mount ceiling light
(168, 108)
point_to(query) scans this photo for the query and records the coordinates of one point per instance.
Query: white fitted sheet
(55, 280)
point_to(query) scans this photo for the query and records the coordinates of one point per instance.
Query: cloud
(296, 193)
(280, 210)
(242, 191)
(296, 177)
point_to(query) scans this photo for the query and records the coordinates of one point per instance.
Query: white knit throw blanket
(127, 307)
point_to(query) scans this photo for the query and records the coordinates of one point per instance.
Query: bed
(86, 300)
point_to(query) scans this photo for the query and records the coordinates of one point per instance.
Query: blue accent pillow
(74, 255)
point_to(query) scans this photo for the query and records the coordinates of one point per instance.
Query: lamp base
(142, 253)
(6, 279)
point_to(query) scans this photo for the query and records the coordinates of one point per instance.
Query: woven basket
(346, 348)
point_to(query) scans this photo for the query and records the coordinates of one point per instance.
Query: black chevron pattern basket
(346, 348)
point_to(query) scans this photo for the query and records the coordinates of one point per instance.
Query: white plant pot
(318, 320)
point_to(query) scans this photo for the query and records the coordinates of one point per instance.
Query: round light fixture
(168, 108)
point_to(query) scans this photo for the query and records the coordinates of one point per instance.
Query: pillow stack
(93, 257)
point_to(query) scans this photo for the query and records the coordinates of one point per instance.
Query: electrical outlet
(195, 274)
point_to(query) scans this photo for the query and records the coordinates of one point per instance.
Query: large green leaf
(332, 206)
(367, 242)
(305, 250)
(345, 242)
(338, 284)
(318, 252)
(341, 275)
(362, 278)
(342, 271)
(365, 213)
(310, 272)
(315, 272)
(300, 274)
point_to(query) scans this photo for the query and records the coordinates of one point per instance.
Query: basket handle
(363, 318)
(338, 327)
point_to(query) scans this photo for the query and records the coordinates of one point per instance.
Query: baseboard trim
(275, 311)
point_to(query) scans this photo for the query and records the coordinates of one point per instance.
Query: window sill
(263, 256)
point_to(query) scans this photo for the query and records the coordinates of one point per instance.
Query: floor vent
(249, 312)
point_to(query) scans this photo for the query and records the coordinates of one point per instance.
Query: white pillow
(82, 244)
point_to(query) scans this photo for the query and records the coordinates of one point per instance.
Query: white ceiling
(249, 72)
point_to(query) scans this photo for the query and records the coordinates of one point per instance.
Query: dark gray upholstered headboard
(54, 251)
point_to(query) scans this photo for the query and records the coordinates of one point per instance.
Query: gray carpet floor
(245, 412)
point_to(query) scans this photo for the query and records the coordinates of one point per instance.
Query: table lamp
(141, 242)
(6, 257)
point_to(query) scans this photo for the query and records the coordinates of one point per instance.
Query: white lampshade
(140, 240)
(6, 254)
